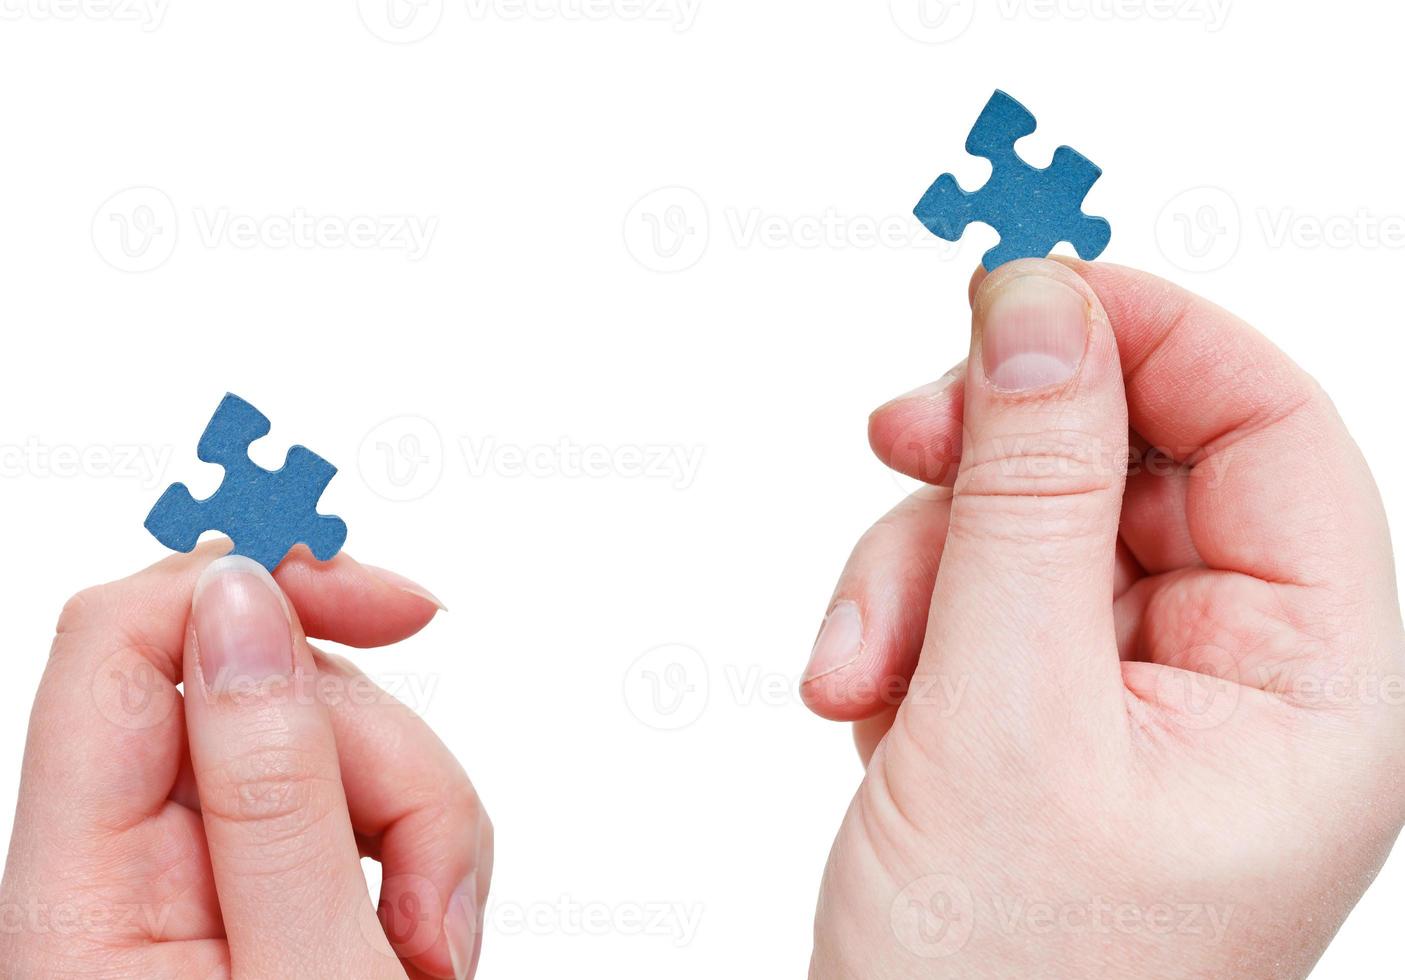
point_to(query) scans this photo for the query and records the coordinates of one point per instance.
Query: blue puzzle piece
(1032, 209)
(265, 513)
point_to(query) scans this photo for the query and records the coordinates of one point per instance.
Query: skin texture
(1138, 710)
(217, 831)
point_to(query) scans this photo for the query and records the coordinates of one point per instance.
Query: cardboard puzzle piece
(1032, 209)
(265, 513)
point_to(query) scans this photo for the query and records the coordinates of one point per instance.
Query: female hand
(1148, 719)
(219, 832)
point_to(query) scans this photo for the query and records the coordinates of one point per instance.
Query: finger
(919, 433)
(281, 845)
(1022, 609)
(870, 639)
(873, 724)
(108, 716)
(869, 732)
(1269, 458)
(353, 604)
(418, 813)
(1155, 524)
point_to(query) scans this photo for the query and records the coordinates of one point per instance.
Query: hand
(219, 833)
(1148, 715)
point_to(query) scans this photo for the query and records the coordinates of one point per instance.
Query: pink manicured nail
(405, 585)
(840, 641)
(242, 626)
(461, 926)
(1033, 333)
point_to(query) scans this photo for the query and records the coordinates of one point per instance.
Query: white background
(746, 317)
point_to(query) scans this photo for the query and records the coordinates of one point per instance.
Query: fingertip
(977, 278)
(354, 604)
(845, 678)
(399, 582)
(919, 434)
(852, 695)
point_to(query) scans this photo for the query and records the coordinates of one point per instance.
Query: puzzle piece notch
(1032, 209)
(264, 512)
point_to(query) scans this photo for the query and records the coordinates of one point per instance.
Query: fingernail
(405, 585)
(242, 626)
(840, 641)
(1034, 331)
(461, 926)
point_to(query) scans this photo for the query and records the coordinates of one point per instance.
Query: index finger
(107, 724)
(1277, 488)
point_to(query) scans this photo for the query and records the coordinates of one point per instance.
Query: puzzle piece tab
(265, 513)
(1032, 209)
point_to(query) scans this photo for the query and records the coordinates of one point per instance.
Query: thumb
(1021, 619)
(284, 857)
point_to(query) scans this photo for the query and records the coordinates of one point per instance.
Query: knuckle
(1044, 465)
(278, 791)
(83, 609)
(450, 802)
